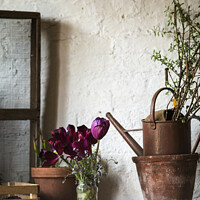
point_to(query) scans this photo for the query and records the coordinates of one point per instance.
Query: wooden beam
(19, 114)
(18, 188)
(19, 15)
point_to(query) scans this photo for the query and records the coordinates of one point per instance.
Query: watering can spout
(131, 142)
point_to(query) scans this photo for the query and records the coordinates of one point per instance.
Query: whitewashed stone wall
(95, 59)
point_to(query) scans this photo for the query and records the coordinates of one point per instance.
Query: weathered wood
(18, 14)
(33, 64)
(20, 189)
(24, 197)
(31, 197)
(32, 114)
(19, 114)
(38, 60)
(35, 86)
(34, 131)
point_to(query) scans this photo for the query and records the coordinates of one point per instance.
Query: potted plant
(51, 178)
(183, 62)
(76, 149)
(182, 69)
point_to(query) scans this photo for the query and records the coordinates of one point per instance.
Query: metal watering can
(159, 137)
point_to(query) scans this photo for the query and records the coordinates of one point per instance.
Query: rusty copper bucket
(167, 177)
(165, 137)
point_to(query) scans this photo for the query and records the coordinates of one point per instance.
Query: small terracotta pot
(51, 186)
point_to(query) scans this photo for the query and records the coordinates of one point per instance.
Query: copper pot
(167, 177)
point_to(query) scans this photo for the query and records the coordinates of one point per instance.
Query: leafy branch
(183, 66)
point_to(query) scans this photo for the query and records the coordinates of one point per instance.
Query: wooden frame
(33, 113)
(20, 189)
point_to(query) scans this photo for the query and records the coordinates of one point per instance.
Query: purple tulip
(90, 137)
(71, 133)
(99, 128)
(71, 136)
(71, 129)
(42, 153)
(76, 145)
(58, 146)
(59, 140)
(82, 147)
(70, 151)
(49, 158)
(82, 131)
(59, 134)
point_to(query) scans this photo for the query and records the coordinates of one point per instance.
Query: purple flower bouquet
(77, 149)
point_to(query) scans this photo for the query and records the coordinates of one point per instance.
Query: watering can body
(165, 137)
(169, 137)
(159, 137)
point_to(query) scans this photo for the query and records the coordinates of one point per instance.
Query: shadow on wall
(51, 32)
(108, 187)
(109, 184)
(57, 38)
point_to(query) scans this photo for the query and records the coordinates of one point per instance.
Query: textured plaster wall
(96, 58)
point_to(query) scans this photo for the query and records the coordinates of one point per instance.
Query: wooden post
(32, 113)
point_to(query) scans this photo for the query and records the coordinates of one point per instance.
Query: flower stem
(66, 161)
(98, 143)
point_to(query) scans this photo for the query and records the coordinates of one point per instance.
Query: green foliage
(89, 170)
(183, 65)
(37, 148)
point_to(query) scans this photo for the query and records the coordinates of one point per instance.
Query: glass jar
(86, 192)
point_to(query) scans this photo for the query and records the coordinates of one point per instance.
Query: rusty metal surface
(153, 103)
(131, 142)
(168, 177)
(168, 138)
(159, 137)
(165, 137)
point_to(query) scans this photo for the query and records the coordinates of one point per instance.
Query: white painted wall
(95, 59)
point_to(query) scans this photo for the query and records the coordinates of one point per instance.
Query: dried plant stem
(186, 44)
(194, 114)
(166, 76)
(193, 97)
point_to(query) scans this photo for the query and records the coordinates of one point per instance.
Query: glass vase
(86, 192)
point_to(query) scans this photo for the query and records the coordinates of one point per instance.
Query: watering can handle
(152, 108)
